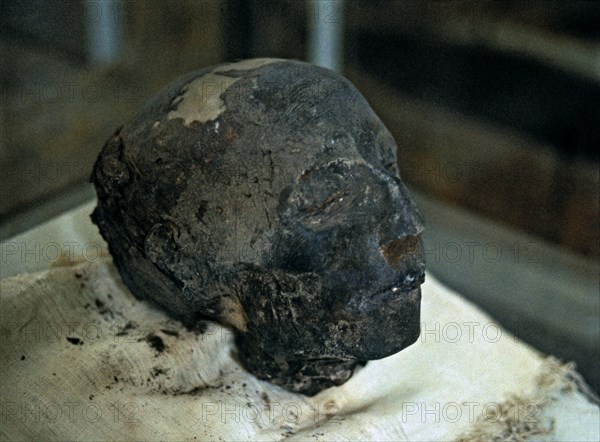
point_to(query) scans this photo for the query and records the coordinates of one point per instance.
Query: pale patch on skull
(201, 100)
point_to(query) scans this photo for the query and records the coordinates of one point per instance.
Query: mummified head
(265, 195)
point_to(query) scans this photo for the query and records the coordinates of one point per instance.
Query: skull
(265, 195)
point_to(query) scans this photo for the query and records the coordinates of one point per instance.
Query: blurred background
(495, 107)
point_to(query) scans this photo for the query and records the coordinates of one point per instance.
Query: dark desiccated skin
(265, 195)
